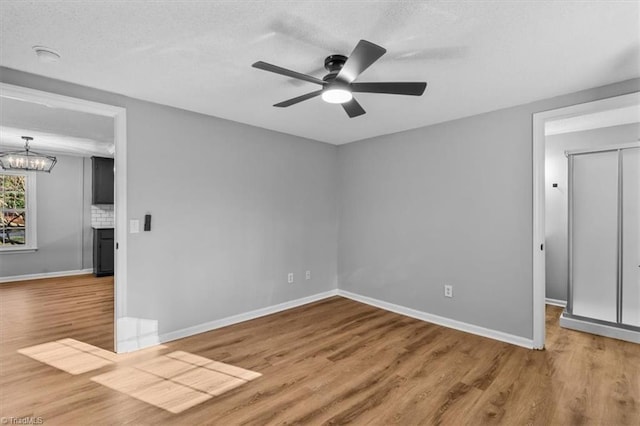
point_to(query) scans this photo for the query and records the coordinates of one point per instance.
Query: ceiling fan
(338, 86)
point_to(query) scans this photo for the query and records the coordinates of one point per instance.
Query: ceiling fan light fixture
(336, 95)
(338, 85)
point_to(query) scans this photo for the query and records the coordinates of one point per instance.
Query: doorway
(117, 116)
(551, 272)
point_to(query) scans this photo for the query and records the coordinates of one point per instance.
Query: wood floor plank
(335, 361)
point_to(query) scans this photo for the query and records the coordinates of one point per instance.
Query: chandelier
(27, 159)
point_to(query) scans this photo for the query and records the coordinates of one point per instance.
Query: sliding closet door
(631, 236)
(594, 241)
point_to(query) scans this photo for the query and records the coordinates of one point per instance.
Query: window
(17, 211)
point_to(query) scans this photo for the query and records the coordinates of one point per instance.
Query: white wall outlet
(290, 278)
(134, 226)
(448, 291)
(307, 275)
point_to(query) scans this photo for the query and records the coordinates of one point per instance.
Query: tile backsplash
(102, 216)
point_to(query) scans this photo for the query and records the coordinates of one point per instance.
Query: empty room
(320, 212)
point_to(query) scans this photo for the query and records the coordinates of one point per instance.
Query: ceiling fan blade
(353, 108)
(365, 54)
(301, 98)
(283, 71)
(396, 88)
(318, 70)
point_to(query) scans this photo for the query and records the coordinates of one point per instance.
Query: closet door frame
(619, 148)
(539, 124)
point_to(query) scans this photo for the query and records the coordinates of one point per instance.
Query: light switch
(134, 226)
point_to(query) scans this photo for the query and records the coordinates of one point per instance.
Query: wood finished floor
(332, 362)
(39, 311)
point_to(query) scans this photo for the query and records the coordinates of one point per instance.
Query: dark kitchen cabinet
(102, 178)
(103, 245)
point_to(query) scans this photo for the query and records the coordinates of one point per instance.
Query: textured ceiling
(197, 55)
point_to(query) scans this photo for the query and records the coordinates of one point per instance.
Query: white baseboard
(129, 344)
(555, 302)
(435, 319)
(45, 275)
(136, 333)
(125, 346)
(212, 325)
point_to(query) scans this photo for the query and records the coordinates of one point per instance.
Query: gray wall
(235, 208)
(556, 198)
(64, 224)
(448, 204)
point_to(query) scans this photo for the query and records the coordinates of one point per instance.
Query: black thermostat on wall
(147, 222)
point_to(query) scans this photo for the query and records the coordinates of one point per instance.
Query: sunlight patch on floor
(151, 389)
(176, 381)
(68, 355)
(221, 367)
(76, 357)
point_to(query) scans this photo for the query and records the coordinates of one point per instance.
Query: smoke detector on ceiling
(46, 54)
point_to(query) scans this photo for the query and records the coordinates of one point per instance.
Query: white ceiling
(197, 55)
(55, 130)
(608, 118)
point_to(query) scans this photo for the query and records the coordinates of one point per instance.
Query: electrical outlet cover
(448, 291)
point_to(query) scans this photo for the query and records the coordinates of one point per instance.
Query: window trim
(32, 213)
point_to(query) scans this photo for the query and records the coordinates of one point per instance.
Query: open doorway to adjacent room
(62, 258)
(586, 234)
